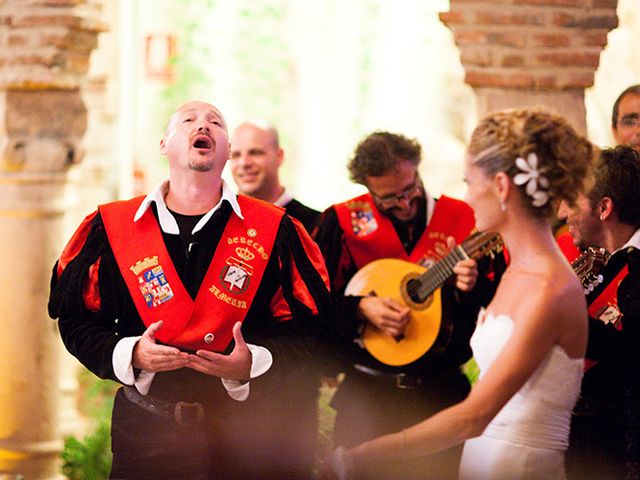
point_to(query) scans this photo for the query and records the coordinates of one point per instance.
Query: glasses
(391, 201)
(630, 121)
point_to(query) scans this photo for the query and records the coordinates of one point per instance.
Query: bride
(530, 341)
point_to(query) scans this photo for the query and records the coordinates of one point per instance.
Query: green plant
(90, 458)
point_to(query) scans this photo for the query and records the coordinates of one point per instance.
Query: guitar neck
(424, 285)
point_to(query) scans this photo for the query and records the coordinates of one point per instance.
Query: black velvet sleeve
(330, 238)
(299, 344)
(88, 335)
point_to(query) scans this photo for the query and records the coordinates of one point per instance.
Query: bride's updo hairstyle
(544, 156)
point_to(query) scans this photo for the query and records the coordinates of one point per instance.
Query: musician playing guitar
(397, 218)
(605, 429)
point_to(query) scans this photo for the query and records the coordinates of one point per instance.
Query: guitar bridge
(399, 338)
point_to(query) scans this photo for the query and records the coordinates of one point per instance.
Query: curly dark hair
(564, 156)
(616, 175)
(380, 153)
(633, 89)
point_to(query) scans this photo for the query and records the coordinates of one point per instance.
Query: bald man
(159, 293)
(256, 156)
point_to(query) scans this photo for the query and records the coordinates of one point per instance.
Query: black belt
(183, 413)
(400, 380)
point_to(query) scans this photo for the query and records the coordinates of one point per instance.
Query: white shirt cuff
(123, 368)
(261, 361)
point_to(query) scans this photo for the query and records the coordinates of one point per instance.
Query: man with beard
(397, 218)
(605, 427)
(160, 292)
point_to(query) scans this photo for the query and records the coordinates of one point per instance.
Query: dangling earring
(503, 207)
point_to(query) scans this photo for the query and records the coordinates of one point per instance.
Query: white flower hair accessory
(536, 183)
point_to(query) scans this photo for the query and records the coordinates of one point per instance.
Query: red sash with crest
(369, 235)
(605, 307)
(229, 286)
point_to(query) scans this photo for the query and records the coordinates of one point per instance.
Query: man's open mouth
(203, 142)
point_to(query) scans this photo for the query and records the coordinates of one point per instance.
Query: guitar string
(439, 274)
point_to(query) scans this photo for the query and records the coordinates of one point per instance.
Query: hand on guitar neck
(465, 271)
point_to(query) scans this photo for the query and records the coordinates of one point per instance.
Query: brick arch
(527, 52)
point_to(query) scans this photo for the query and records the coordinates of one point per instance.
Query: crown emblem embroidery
(245, 254)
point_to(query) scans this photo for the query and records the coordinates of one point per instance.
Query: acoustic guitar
(419, 289)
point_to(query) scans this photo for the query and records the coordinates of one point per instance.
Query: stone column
(44, 54)
(519, 53)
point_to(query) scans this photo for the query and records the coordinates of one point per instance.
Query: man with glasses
(625, 118)
(397, 218)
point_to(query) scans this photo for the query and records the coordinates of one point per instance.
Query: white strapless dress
(527, 439)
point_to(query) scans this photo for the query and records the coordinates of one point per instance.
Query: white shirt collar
(167, 222)
(634, 241)
(283, 199)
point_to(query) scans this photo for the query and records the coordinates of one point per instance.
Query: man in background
(256, 156)
(625, 118)
(605, 426)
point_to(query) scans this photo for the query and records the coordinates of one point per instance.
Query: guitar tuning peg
(591, 287)
(600, 278)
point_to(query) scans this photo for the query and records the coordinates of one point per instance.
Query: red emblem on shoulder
(363, 222)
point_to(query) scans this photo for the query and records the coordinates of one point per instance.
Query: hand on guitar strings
(465, 271)
(385, 313)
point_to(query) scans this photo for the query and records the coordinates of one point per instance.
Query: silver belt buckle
(181, 419)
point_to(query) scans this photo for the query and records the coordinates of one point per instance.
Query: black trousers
(596, 447)
(234, 442)
(368, 407)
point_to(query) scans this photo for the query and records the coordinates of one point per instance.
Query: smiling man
(256, 157)
(158, 293)
(605, 428)
(397, 218)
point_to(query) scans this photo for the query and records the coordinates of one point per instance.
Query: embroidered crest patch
(236, 274)
(152, 282)
(363, 222)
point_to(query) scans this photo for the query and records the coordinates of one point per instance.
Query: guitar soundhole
(412, 293)
(413, 290)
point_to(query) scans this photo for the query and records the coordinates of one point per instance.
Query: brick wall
(531, 44)
(46, 43)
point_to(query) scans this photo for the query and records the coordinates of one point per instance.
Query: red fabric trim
(75, 244)
(568, 248)
(279, 307)
(91, 290)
